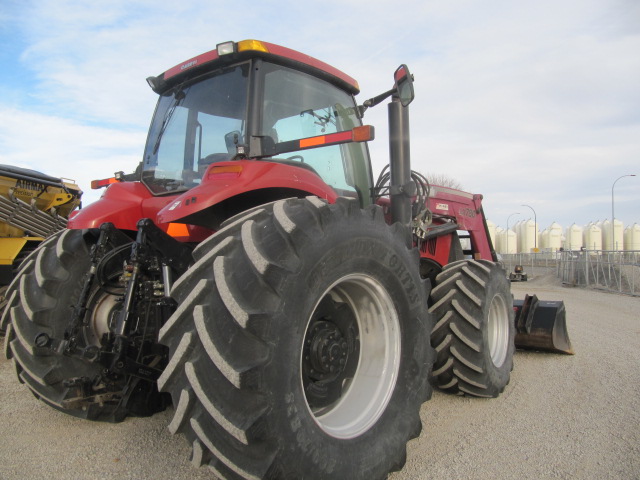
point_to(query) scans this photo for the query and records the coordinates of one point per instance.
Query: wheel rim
(101, 315)
(104, 303)
(498, 330)
(364, 383)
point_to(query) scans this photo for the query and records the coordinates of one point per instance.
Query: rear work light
(226, 48)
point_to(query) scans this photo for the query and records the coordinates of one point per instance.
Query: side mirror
(232, 140)
(404, 85)
(402, 89)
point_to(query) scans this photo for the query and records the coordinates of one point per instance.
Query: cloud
(63, 148)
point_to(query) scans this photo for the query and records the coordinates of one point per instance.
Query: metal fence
(607, 270)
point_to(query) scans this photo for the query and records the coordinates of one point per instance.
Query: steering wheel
(296, 157)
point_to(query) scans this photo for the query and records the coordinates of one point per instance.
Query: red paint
(192, 63)
(274, 49)
(313, 62)
(438, 251)
(255, 175)
(123, 204)
(466, 210)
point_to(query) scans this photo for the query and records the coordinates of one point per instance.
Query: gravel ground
(560, 417)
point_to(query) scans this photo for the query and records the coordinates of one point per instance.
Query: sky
(529, 103)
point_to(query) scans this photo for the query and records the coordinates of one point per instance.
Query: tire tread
(458, 301)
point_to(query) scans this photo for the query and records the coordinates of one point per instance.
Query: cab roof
(232, 52)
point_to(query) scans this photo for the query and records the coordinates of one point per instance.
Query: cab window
(296, 106)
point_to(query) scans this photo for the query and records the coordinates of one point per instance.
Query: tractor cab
(249, 103)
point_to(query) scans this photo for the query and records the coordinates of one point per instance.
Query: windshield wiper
(177, 98)
(321, 120)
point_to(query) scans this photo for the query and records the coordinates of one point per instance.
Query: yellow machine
(33, 206)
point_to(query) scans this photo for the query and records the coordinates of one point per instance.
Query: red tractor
(252, 274)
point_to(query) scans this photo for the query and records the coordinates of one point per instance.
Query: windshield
(298, 105)
(195, 125)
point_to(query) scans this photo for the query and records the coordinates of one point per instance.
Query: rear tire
(8, 294)
(474, 329)
(300, 345)
(41, 301)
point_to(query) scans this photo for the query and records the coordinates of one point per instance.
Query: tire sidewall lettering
(375, 254)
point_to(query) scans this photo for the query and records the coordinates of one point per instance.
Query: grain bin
(544, 239)
(499, 237)
(554, 241)
(573, 237)
(510, 240)
(632, 237)
(618, 229)
(528, 236)
(491, 227)
(593, 236)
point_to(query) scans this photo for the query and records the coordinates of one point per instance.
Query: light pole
(613, 218)
(516, 213)
(535, 229)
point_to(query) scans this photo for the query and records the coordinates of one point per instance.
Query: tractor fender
(122, 204)
(249, 183)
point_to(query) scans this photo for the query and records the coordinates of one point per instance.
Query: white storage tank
(499, 234)
(632, 237)
(605, 228)
(616, 238)
(593, 236)
(618, 235)
(529, 236)
(499, 237)
(510, 241)
(554, 241)
(519, 231)
(516, 230)
(544, 239)
(492, 232)
(573, 237)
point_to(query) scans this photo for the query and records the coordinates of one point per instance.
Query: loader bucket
(541, 325)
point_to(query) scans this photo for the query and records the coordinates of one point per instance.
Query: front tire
(300, 345)
(474, 329)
